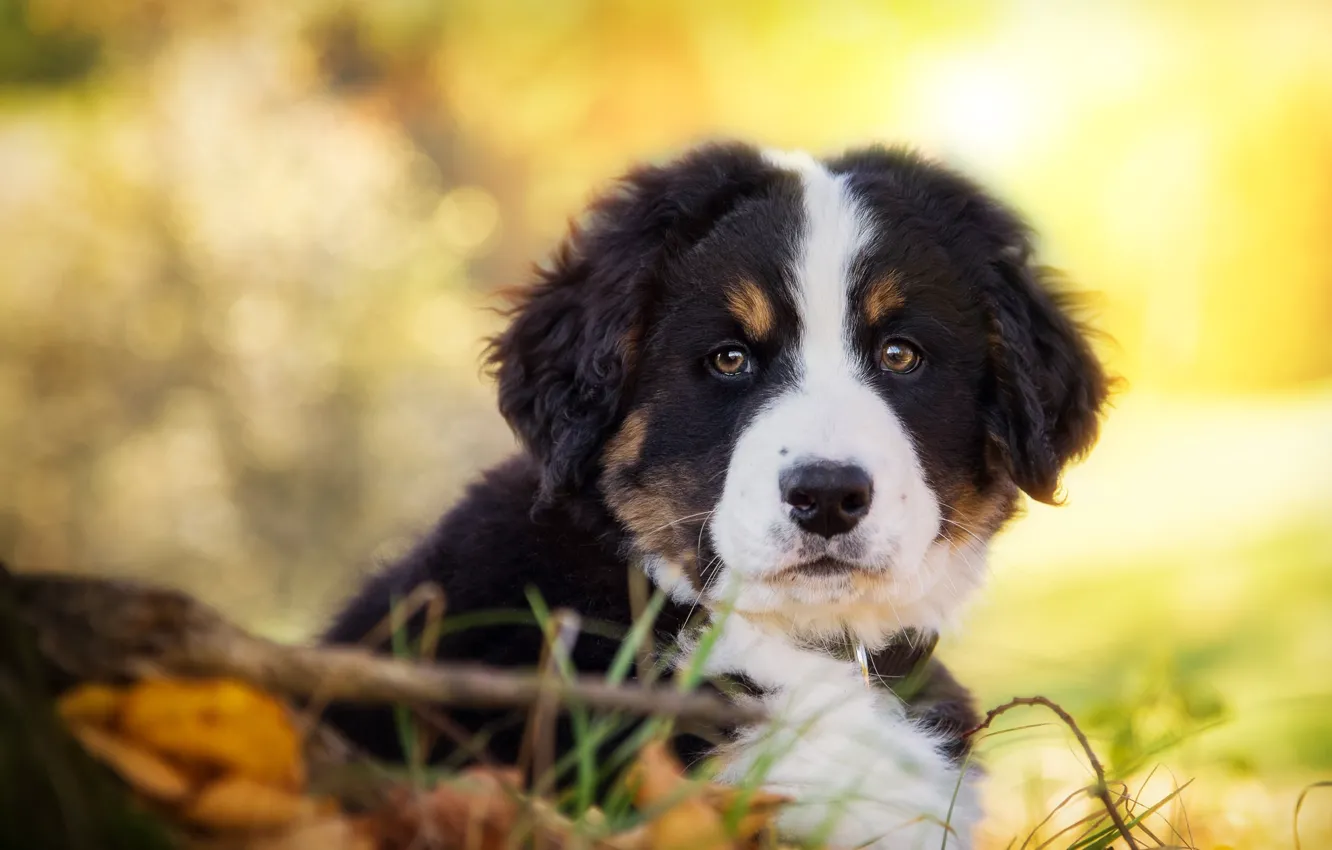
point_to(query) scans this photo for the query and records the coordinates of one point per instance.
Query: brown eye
(730, 361)
(899, 356)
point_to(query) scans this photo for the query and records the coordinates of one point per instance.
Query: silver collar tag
(862, 658)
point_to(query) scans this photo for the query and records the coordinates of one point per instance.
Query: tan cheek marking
(978, 514)
(626, 447)
(752, 309)
(652, 508)
(629, 344)
(884, 296)
(650, 515)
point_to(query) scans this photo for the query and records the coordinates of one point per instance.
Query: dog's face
(810, 388)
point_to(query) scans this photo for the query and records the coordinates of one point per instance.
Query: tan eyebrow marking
(884, 296)
(751, 308)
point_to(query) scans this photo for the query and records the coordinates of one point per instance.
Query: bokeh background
(246, 251)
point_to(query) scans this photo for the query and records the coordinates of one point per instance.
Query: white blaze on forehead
(836, 231)
(834, 413)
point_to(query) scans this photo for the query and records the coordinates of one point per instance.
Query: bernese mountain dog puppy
(801, 395)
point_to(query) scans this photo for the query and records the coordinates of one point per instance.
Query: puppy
(801, 395)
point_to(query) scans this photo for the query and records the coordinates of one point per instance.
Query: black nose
(827, 498)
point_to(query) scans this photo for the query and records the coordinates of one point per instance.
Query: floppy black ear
(1048, 385)
(568, 358)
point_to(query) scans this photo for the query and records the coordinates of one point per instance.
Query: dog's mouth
(824, 567)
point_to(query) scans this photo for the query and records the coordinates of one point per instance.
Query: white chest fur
(860, 772)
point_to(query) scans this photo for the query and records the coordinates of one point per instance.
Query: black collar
(900, 666)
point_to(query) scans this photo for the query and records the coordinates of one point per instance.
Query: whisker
(704, 589)
(962, 551)
(698, 548)
(974, 532)
(896, 614)
(680, 520)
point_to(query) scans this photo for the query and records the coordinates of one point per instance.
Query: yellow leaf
(143, 770)
(760, 808)
(223, 725)
(688, 823)
(332, 833)
(98, 705)
(238, 802)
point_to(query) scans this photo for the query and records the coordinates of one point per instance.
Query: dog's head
(814, 388)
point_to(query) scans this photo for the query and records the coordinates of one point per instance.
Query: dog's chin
(828, 597)
(821, 599)
(829, 582)
(926, 595)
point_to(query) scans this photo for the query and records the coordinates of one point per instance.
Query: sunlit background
(246, 249)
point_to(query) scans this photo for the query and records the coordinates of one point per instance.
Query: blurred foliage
(1154, 708)
(247, 248)
(33, 55)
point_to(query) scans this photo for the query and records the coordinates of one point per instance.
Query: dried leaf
(238, 802)
(638, 838)
(141, 769)
(557, 831)
(689, 822)
(91, 704)
(760, 808)
(224, 725)
(477, 811)
(327, 833)
(330, 833)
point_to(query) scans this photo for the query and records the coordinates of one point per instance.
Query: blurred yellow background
(247, 247)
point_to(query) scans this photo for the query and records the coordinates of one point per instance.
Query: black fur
(567, 360)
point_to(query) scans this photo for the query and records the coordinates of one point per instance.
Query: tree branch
(98, 629)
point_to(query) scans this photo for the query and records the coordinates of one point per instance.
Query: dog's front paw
(945, 709)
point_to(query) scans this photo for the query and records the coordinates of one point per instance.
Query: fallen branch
(98, 629)
(1100, 789)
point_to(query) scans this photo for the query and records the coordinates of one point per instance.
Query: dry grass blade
(457, 733)
(1045, 820)
(1097, 838)
(538, 749)
(429, 601)
(1130, 802)
(639, 594)
(1100, 789)
(1095, 819)
(1299, 804)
